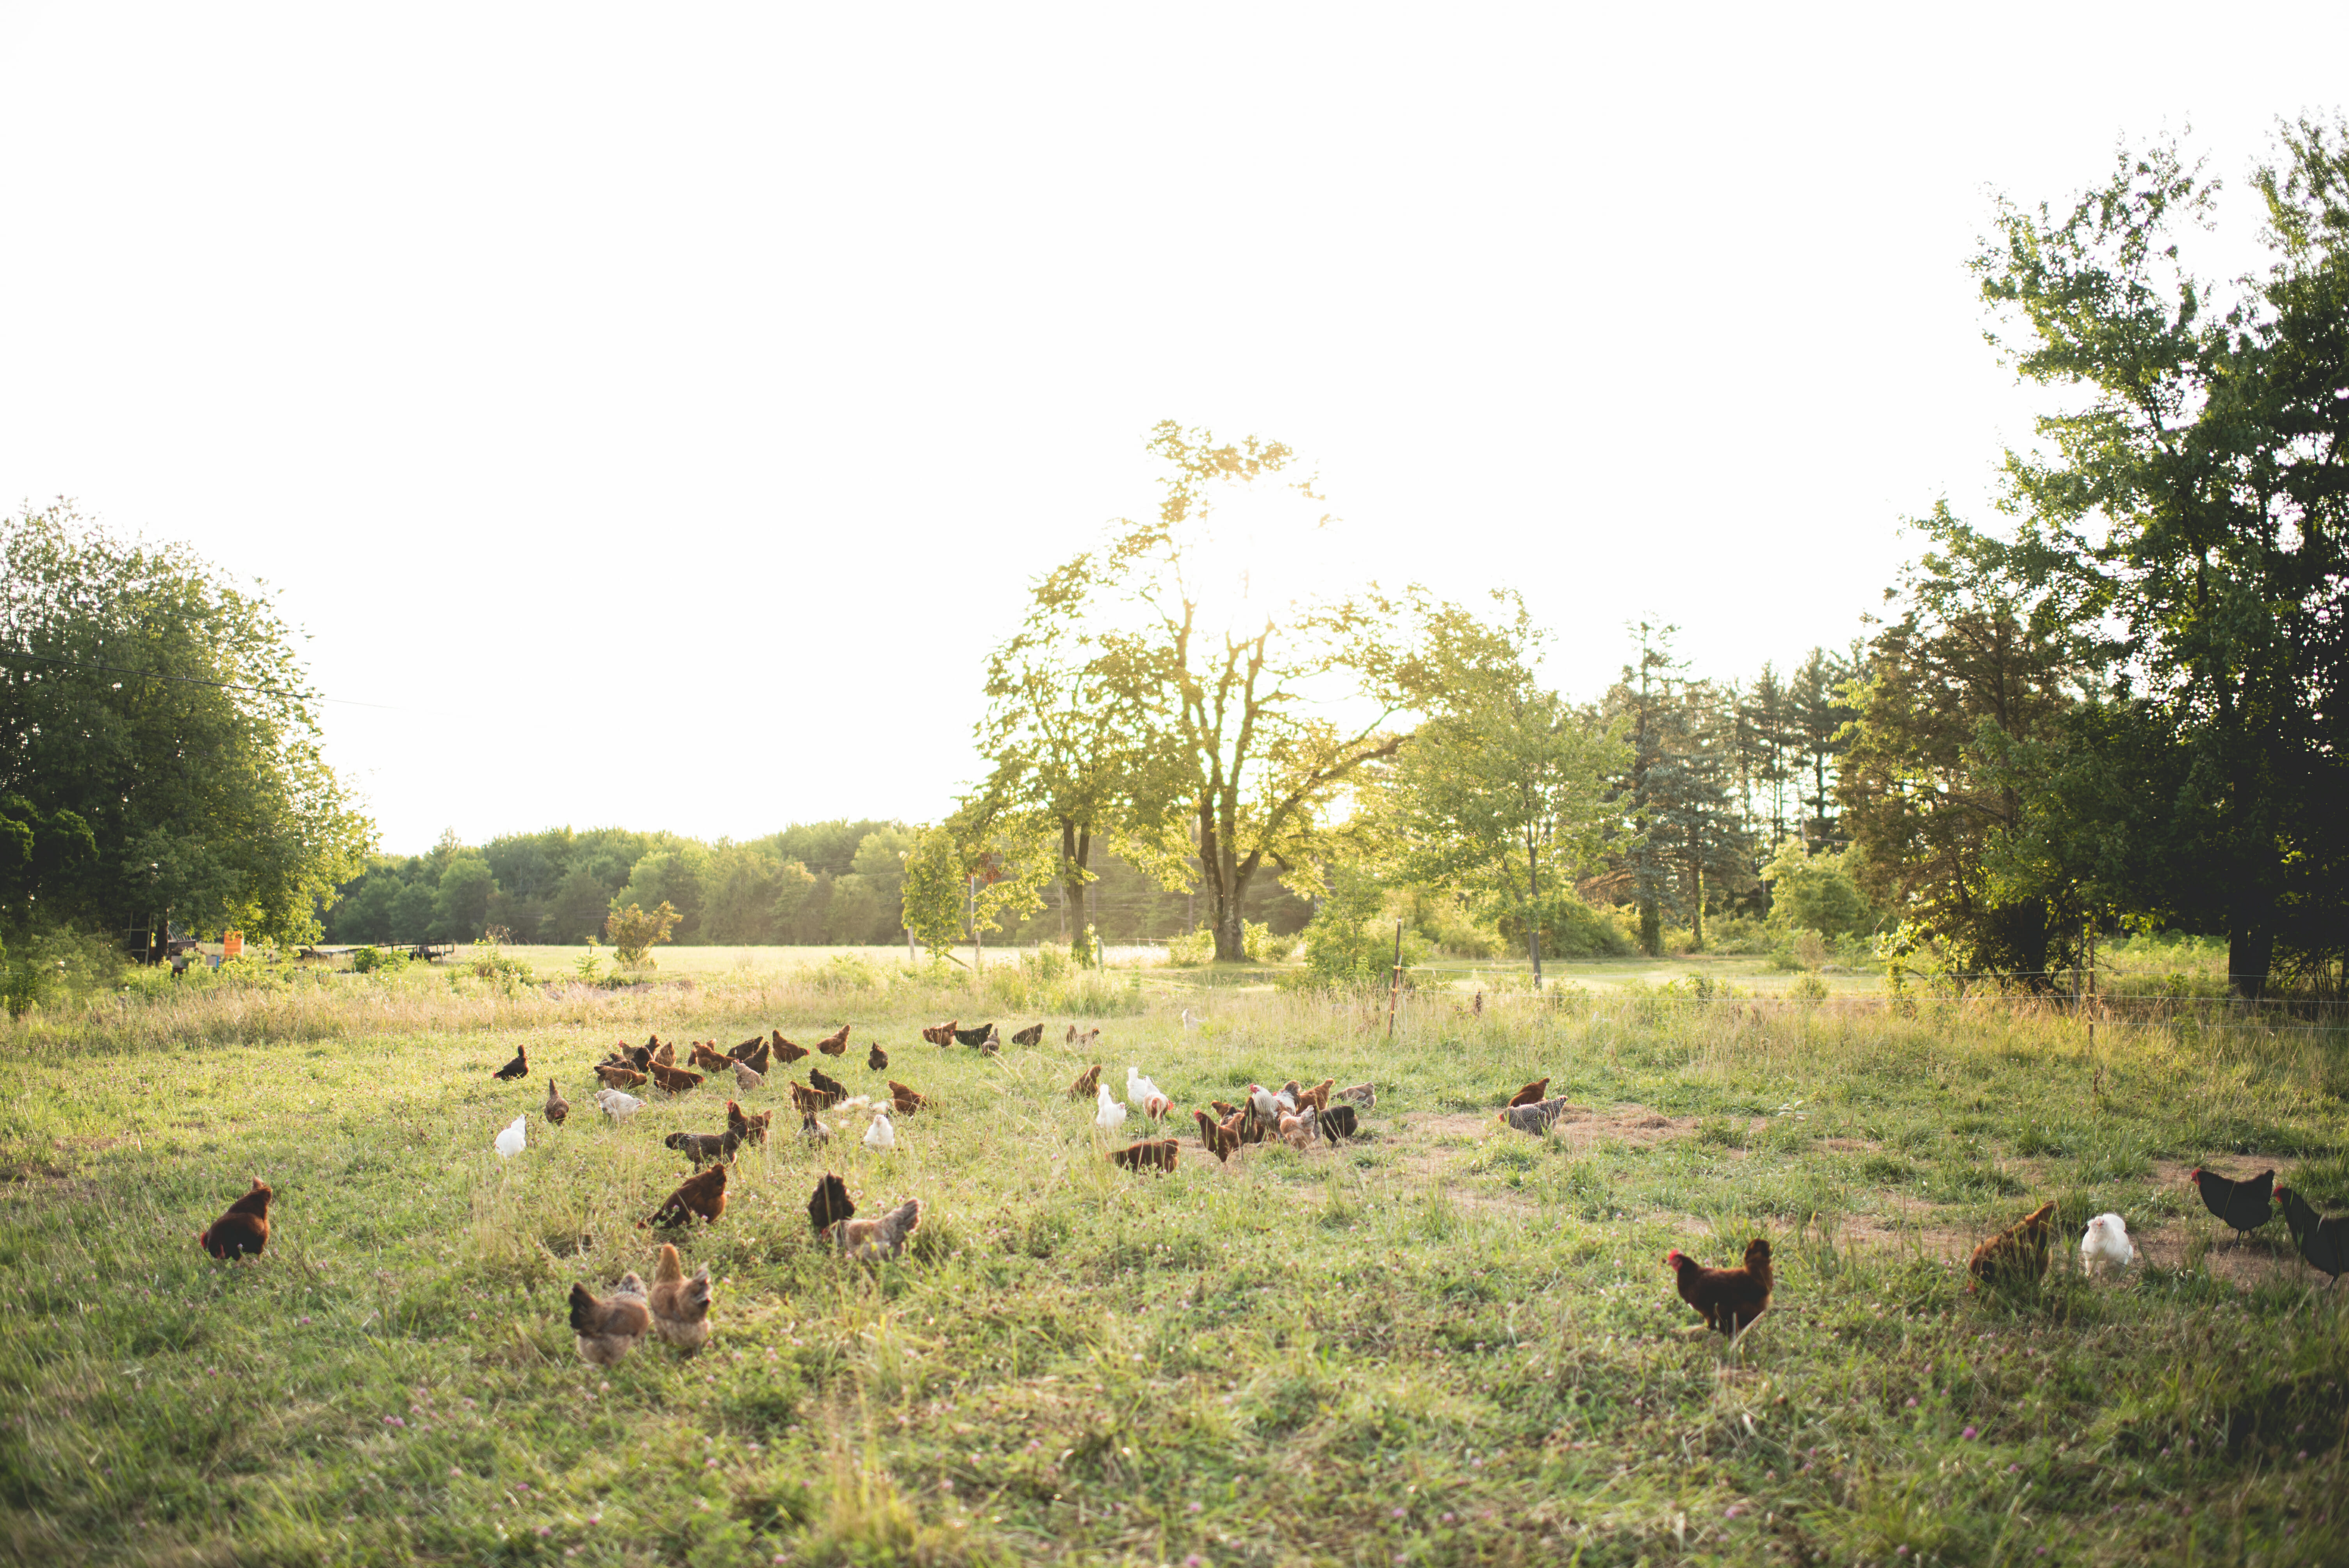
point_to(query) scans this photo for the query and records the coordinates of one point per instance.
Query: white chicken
(1139, 1091)
(1112, 1115)
(1191, 1020)
(2106, 1245)
(617, 1105)
(510, 1141)
(1267, 1107)
(881, 1137)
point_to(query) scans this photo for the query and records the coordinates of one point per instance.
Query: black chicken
(2243, 1204)
(2324, 1242)
(518, 1067)
(743, 1052)
(830, 1205)
(1338, 1121)
(974, 1037)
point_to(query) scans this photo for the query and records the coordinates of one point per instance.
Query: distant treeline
(837, 883)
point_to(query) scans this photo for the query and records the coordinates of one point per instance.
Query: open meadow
(1441, 1342)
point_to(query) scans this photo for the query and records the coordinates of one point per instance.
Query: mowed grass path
(1444, 1343)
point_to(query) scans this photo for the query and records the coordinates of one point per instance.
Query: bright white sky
(661, 409)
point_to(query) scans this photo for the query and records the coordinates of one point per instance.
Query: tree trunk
(2250, 952)
(1076, 854)
(1533, 908)
(1652, 928)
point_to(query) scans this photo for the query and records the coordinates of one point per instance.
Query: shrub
(1808, 989)
(370, 959)
(1260, 944)
(1190, 951)
(634, 934)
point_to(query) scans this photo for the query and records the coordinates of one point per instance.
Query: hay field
(1442, 1343)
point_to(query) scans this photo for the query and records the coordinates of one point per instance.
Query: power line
(191, 680)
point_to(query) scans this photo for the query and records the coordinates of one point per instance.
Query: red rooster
(1727, 1299)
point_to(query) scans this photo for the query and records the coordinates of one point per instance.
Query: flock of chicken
(677, 1307)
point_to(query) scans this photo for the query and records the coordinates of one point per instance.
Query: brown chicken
(745, 1128)
(906, 1100)
(704, 1195)
(1087, 1081)
(824, 1084)
(746, 1049)
(1033, 1035)
(1150, 1154)
(834, 1045)
(243, 1230)
(941, 1034)
(705, 1058)
(680, 1306)
(2017, 1253)
(701, 1148)
(1224, 1109)
(871, 1240)
(675, 1080)
(557, 1108)
(637, 1056)
(606, 1331)
(1297, 1130)
(808, 1101)
(789, 1051)
(1532, 1094)
(1086, 1038)
(618, 1076)
(1318, 1096)
(877, 1060)
(664, 1053)
(756, 1060)
(1727, 1299)
(1223, 1143)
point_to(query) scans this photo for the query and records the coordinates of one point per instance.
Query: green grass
(1443, 1344)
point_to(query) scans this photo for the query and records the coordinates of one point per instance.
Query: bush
(1817, 891)
(1260, 946)
(1809, 989)
(370, 960)
(634, 934)
(42, 968)
(1190, 951)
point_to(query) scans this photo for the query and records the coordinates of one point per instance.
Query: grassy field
(1444, 1343)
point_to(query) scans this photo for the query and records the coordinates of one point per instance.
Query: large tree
(2192, 491)
(1249, 715)
(163, 708)
(1502, 794)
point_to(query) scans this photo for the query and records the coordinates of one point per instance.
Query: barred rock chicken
(2243, 1204)
(674, 1080)
(516, 1069)
(877, 1058)
(702, 1147)
(619, 1076)
(834, 1045)
(941, 1034)
(606, 1331)
(1153, 1154)
(1537, 1118)
(704, 1195)
(824, 1083)
(680, 1306)
(906, 1101)
(745, 1128)
(1033, 1035)
(2017, 1253)
(243, 1230)
(1727, 1299)
(557, 1108)
(1532, 1094)
(1221, 1141)
(2323, 1240)
(1087, 1081)
(787, 1051)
